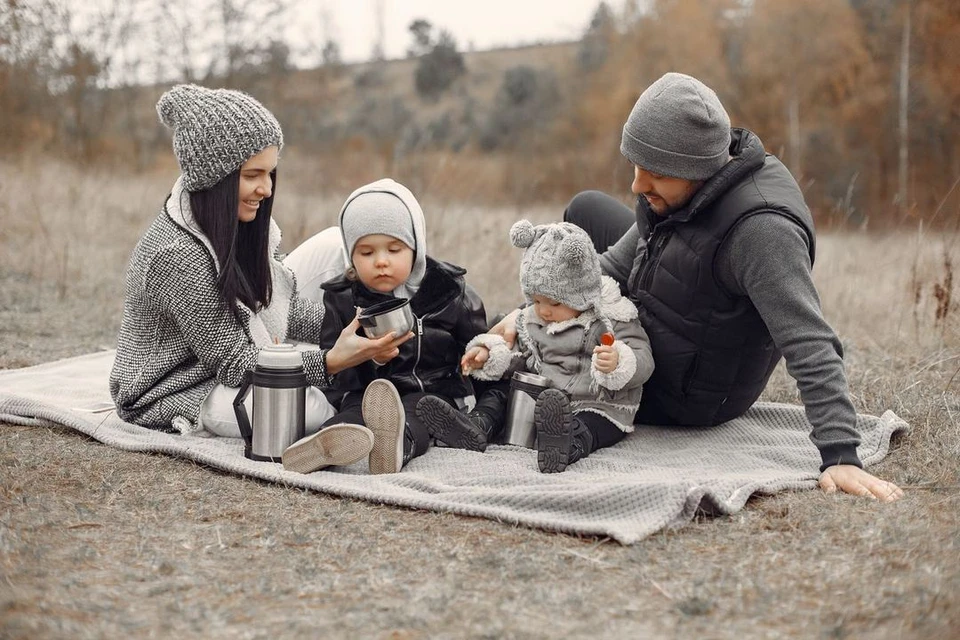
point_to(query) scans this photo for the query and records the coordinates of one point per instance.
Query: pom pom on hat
(522, 234)
(576, 249)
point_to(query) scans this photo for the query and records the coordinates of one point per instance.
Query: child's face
(382, 262)
(550, 310)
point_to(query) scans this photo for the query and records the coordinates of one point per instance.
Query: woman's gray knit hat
(215, 131)
(677, 128)
(559, 262)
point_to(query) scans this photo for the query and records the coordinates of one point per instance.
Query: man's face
(664, 194)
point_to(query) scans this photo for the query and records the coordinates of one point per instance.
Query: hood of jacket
(746, 156)
(270, 323)
(178, 209)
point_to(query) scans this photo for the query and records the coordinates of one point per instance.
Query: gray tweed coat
(176, 339)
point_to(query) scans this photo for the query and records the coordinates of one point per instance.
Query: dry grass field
(100, 543)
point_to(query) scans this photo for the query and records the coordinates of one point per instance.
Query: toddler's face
(550, 310)
(382, 262)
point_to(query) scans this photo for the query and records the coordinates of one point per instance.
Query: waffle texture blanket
(655, 478)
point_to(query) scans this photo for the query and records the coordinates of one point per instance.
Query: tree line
(860, 98)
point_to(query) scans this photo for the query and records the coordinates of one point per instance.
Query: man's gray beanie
(677, 128)
(215, 131)
(559, 262)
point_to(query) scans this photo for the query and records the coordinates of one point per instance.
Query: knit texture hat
(215, 131)
(559, 262)
(677, 128)
(376, 212)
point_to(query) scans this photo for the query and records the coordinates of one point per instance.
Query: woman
(206, 288)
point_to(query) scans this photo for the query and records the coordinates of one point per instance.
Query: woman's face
(382, 262)
(256, 183)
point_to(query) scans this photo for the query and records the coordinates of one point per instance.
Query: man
(718, 259)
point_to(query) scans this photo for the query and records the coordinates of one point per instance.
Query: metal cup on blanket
(519, 429)
(390, 315)
(279, 403)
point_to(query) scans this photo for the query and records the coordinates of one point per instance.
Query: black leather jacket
(448, 313)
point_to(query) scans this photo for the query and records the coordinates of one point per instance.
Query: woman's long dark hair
(242, 248)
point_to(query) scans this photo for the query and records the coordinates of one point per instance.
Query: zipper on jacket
(649, 268)
(417, 361)
(583, 348)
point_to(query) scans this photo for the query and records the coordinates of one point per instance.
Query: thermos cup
(524, 390)
(279, 400)
(390, 315)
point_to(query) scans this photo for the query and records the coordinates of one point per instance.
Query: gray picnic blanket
(655, 478)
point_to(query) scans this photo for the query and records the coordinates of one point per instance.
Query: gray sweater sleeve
(618, 261)
(767, 259)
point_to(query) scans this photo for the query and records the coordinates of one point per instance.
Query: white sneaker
(383, 412)
(336, 445)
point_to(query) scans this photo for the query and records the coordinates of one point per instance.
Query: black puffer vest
(449, 313)
(713, 351)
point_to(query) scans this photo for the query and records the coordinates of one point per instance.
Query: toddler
(595, 387)
(384, 240)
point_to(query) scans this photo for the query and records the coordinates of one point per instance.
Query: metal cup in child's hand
(390, 315)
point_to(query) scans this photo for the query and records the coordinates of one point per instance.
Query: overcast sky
(484, 24)
(192, 25)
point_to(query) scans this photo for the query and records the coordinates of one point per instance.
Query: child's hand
(474, 359)
(607, 358)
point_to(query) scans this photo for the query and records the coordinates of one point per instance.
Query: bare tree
(25, 60)
(904, 152)
(378, 53)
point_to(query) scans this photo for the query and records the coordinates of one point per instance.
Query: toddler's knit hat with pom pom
(215, 131)
(559, 262)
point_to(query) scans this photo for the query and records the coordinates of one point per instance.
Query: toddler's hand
(474, 359)
(607, 358)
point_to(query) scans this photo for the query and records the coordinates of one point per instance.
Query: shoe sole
(384, 415)
(449, 426)
(554, 424)
(336, 445)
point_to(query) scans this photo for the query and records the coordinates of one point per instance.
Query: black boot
(582, 445)
(554, 423)
(449, 426)
(562, 438)
(409, 446)
(489, 413)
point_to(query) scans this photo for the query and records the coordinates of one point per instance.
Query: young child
(595, 388)
(384, 239)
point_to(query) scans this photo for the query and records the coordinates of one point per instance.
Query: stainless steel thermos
(524, 390)
(279, 400)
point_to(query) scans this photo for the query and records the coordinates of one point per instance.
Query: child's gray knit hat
(559, 262)
(677, 128)
(215, 131)
(376, 212)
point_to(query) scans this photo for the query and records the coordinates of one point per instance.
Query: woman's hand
(607, 358)
(854, 480)
(352, 349)
(507, 327)
(474, 359)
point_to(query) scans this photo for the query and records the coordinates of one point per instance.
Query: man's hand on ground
(856, 481)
